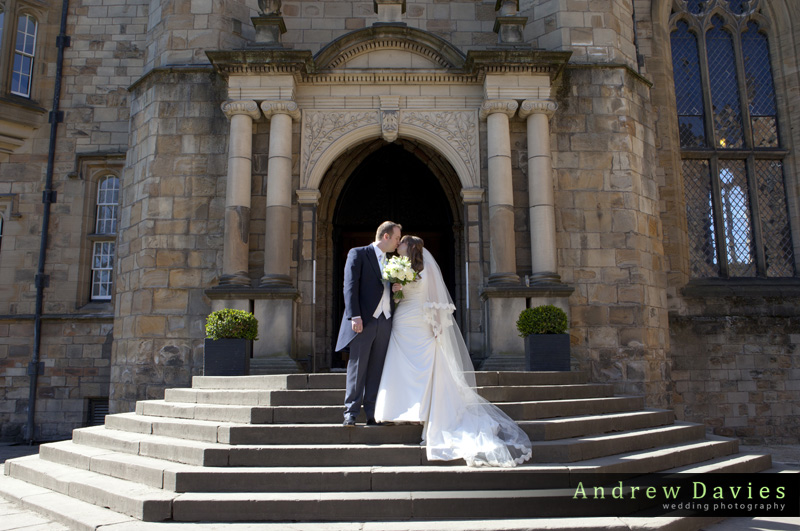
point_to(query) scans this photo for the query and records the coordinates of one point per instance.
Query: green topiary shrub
(547, 319)
(231, 324)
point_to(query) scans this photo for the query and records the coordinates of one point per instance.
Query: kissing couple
(408, 362)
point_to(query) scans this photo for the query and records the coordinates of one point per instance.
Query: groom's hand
(357, 324)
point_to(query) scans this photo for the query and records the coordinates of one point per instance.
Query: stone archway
(419, 189)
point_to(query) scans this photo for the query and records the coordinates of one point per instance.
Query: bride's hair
(415, 245)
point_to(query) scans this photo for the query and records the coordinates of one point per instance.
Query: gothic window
(104, 237)
(730, 147)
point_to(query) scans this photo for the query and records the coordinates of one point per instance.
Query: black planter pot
(227, 357)
(547, 352)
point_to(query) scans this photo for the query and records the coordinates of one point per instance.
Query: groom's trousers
(367, 354)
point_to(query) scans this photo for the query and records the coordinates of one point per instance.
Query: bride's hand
(397, 287)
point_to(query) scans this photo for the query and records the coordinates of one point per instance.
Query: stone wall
(312, 25)
(105, 56)
(736, 367)
(171, 239)
(596, 31)
(180, 31)
(76, 357)
(609, 230)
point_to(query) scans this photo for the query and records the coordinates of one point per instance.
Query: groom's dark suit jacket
(363, 289)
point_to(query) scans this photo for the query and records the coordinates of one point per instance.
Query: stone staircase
(272, 449)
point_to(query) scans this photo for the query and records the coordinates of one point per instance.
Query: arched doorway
(392, 183)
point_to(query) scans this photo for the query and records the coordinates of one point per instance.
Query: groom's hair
(387, 227)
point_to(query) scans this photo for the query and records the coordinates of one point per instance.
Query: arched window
(104, 238)
(728, 126)
(107, 205)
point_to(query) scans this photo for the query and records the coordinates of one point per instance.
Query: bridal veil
(462, 424)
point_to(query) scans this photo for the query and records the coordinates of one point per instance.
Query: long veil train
(461, 423)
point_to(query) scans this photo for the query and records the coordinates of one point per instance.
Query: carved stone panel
(322, 128)
(453, 132)
(459, 129)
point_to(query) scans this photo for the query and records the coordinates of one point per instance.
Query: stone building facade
(208, 153)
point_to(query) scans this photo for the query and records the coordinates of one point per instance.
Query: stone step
(328, 414)
(531, 393)
(210, 412)
(593, 446)
(503, 363)
(77, 515)
(238, 434)
(329, 397)
(82, 516)
(337, 380)
(571, 407)
(215, 454)
(126, 497)
(186, 478)
(652, 460)
(148, 471)
(372, 506)
(568, 427)
(349, 454)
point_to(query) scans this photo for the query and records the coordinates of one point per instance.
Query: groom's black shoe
(349, 422)
(372, 422)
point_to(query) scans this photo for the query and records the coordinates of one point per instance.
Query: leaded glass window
(728, 125)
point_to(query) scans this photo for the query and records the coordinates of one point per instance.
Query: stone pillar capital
(271, 108)
(246, 107)
(507, 107)
(308, 196)
(529, 107)
(472, 195)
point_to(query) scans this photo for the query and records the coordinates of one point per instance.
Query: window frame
(89, 172)
(13, 11)
(24, 54)
(699, 26)
(109, 237)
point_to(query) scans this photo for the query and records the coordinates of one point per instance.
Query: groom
(367, 321)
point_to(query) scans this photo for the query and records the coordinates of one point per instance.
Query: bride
(428, 377)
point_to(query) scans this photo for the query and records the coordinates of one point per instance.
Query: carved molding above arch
(413, 40)
(328, 134)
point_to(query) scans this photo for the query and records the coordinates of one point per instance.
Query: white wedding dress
(428, 378)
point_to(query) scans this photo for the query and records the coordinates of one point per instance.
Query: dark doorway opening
(390, 184)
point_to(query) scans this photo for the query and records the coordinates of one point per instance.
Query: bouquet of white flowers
(398, 270)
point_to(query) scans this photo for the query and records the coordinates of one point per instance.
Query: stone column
(503, 259)
(540, 190)
(473, 255)
(279, 192)
(237, 192)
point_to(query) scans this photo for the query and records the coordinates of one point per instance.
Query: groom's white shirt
(385, 305)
